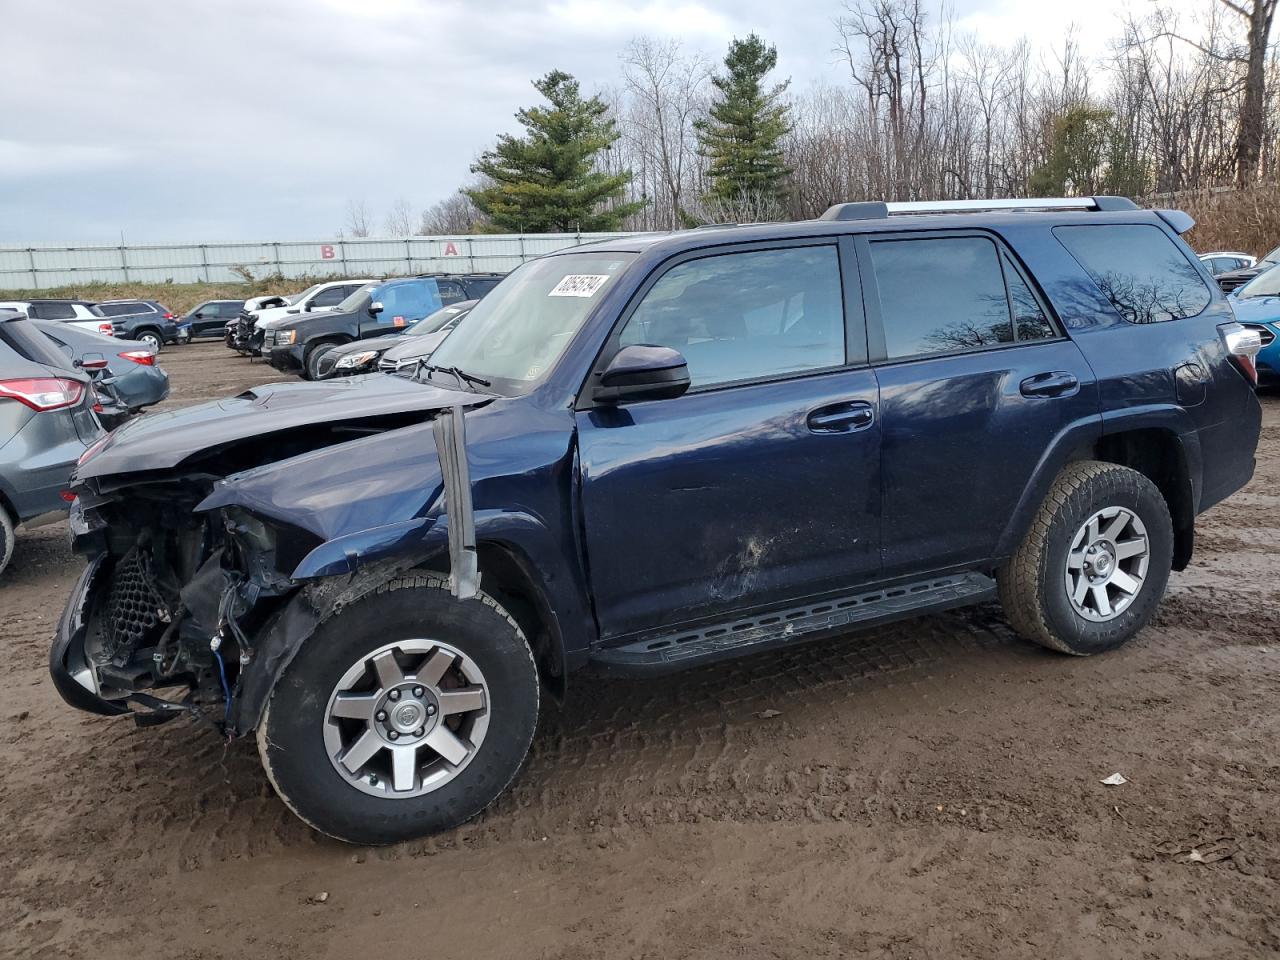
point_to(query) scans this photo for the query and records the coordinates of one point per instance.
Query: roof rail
(877, 209)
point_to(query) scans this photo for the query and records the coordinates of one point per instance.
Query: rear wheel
(7, 538)
(152, 339)
(406, 714)
(1095, 564)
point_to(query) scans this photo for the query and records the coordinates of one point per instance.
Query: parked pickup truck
(655, 452)
(375, 310)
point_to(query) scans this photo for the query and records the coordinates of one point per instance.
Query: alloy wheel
(1107, 564)
(406, 719)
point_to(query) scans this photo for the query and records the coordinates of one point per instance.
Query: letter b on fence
(326, 251)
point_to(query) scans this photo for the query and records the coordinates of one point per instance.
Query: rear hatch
(41, 354)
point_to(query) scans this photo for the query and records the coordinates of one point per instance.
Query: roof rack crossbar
(875, 210)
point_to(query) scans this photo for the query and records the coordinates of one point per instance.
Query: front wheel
(1095, 563)
(406, 714)
(311, 363)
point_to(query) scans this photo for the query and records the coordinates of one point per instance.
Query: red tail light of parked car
(144, 357)
(43, 393)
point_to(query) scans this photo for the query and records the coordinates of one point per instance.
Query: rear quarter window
(1140, 270)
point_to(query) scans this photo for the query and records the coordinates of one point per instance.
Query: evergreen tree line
(926, 113)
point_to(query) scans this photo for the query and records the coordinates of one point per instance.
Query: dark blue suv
(652, 453)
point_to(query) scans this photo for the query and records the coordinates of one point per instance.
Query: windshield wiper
(461, 376)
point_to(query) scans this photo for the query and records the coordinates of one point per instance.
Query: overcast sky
(262, 119)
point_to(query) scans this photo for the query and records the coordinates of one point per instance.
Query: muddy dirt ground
(926, 791)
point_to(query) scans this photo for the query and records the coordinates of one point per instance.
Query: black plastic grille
(133, 606)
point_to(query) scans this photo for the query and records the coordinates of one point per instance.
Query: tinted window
(118, 309)
(940, 295)
(744, 316)
(331, 297)
(1140, 269)
(52, 311)
(29, 342)
(1030, 322)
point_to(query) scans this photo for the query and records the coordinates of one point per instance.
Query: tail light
(1243, 344)
(43, 393)
(92, 449)
(171, 316)
(140, 356)
(105, 329)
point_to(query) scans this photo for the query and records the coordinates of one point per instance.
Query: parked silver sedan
(133, 377)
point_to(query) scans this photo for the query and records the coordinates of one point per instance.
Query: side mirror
(376, 307)
(643, 372)
(92, 361)
(198, 315)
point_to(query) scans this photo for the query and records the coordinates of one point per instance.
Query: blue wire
(226, 689)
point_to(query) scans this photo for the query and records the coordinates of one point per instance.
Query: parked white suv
(78, 313)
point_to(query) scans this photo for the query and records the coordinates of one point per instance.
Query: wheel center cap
(407, 717)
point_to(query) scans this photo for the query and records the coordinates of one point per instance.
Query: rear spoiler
(1181, 222)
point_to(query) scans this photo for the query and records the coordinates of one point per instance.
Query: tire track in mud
(618, 751)
(692, 747)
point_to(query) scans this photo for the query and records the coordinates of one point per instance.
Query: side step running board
(659, 654)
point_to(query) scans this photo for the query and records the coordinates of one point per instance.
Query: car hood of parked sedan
(377, 344)
(415, 348)
(159, 441)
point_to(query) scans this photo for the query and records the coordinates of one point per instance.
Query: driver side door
(761, 484)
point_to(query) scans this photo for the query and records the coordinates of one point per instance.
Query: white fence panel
(44, 267)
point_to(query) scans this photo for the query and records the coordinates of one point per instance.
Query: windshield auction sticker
(579, 285)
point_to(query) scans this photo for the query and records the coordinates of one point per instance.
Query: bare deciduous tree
(357, 224)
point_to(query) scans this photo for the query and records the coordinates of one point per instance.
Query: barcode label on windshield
(579, 285)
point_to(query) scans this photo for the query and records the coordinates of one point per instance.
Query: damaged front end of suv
(201, 580)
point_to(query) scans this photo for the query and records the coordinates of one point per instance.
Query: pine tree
(743, 133)
(546, 180)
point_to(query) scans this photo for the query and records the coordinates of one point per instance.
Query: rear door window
(331, 297)
(1139, 268)
(952, 294)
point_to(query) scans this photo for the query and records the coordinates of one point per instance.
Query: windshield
(1265, 284)
(355, 300)
(439, 320)
(518, 332)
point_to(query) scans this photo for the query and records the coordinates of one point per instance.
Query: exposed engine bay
(189, 603)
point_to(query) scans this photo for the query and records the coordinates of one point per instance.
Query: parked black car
(148, 321)
(365, 356)
(210, 318)
(1237, 278)
(655, 452)
(374, 310)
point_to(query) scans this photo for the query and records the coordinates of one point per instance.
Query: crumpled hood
(158, 441)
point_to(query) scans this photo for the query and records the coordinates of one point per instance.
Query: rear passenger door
(761, 484)
(977, 382)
